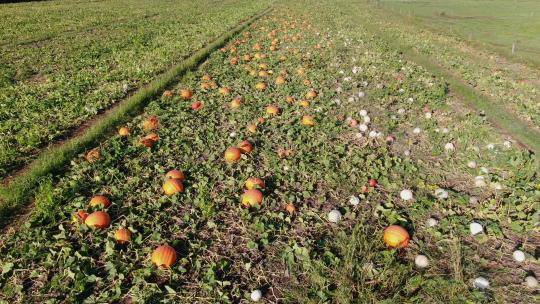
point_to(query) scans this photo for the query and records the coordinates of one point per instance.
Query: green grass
(493, 24)
(15, 195)
(90, 55)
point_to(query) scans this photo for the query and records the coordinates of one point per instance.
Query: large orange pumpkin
(186, 93)
(98, 219)
(252, 197)
(100, 200)
(396, 236)
(308, 120)
(232, 155)
(175, 174)
(149, 140)
(173, 186)
(151, 123)
(93, 155)
(122, 235)
(254, 182)
(272, 110)
(245, 146)
(164, 256)
(124, 131)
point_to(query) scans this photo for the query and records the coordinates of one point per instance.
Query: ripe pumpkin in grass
(261, 86)
(122, 235)
(396, 236)
(79, 216)
(252, 128)
(263, 66)
(290, 208)
(100, 200)
(289, 99)
(124, 131)
(245, 146)
(272, 110)
(224, 91)
(196, 105)
(301, 71)
(252, 197)
(205, 86)
(254, 182)
(173, 186)
(311, 94)
(186, 93)
(164, 256)
(232, 155)
(234, 61)
(308, 120)
(236, 102)
(149, 140)
(304, 103)
(98, 219)
(167, 93)
(280, 80)
(151, 123)
(93, 155)
(175, 174)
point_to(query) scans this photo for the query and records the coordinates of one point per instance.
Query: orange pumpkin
(308, 120)
(98, 219)
(175, 174)
(224, 91)
(186, 94)
(290, 208)
(236, 102)
(164, 256)
(252, 128)
(100, 200)
(272, 110)
(232, 155)
(245, 146)
(93, 155)
(167, 93)
(80, 216)
(122, 236)
(311, 94)
(252, 197)
(280, 80)
(151, 123)
(396, 236)
(149, 140)
(124, 131)
(197, 105)
(173, 186)
(304, 103)
(289, 99)
(261, 86)
(254, 182)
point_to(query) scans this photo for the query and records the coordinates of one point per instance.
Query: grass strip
(496, 114)
(18, 191)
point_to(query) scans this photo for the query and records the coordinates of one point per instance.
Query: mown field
(63, 62)
(348, 138)
(494, 24)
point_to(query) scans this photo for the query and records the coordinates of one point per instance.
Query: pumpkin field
(313, 157)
